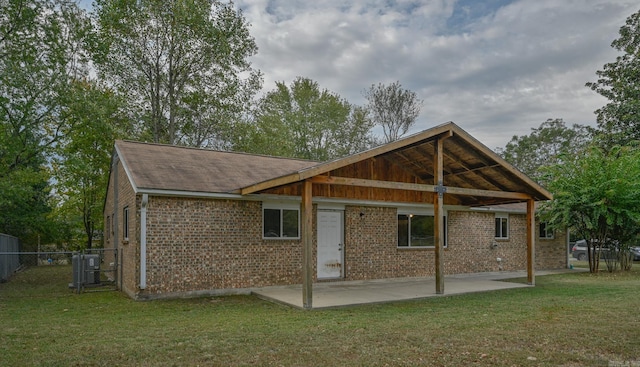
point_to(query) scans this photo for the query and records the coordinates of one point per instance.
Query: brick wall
(473, 247)
(198, 245)
(207, 246)
(128, 251)
(371, 250)
(552, 253)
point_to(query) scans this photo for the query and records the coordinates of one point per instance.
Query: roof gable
(468, 164)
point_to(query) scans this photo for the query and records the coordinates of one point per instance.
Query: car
(579, 251)
(636, 253)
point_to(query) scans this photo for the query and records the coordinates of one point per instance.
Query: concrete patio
(348, 293)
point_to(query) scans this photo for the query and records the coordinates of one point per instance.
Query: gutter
(143, 241)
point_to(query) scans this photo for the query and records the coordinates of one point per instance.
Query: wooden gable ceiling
(467, 164)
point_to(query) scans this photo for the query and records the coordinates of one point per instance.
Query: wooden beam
(469, 170)
(295, 177)
(444, 130)
(531, 249)
(347, 181)
(475, 172)
(399, 160)
(438, 213)
(474, 143)
(307, 244)
(488, 193)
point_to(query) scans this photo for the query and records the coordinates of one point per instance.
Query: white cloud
(497, 67)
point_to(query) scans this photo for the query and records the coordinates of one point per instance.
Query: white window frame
(422, 212)
(281, 207)
(501, 216)
(549, 234)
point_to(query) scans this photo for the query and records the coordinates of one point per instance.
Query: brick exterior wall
(371, 247)
(552, 253)
(128, 251)
(371, 250)
(473, 247)
(198, 246)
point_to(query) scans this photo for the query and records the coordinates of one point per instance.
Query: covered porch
(442, 166)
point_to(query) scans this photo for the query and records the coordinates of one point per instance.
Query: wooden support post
(438, 213)
(531, 249)
(307, 244)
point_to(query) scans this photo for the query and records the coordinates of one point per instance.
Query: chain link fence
(90, 269)
(9, 263)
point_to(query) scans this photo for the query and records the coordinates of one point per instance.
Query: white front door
(330, 244)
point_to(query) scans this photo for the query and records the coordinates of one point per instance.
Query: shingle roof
(473, 175)
(164, 167)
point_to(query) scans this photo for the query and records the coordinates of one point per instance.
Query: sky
(497, 68)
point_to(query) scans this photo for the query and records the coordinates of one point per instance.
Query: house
(188, 222)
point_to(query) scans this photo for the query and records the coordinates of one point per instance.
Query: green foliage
(303, 121)
(619, 82)
(545, 146)
(41, 53)
(82, 164)
(394, 108)
(182, 65)
(597, 195)
(24, 203)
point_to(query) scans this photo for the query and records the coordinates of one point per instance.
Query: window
(418, 230)
(108, 229)
(281, 223)
(502, 225)
(546, 231)
(125, 220)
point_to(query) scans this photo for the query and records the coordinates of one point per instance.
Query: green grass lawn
(566, 320)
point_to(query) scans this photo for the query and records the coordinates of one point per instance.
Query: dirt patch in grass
(566, 320)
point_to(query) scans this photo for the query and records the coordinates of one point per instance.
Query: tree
(619, 82)
(545, 146)
(82, 164)
(597, 194)
(182, 64)
(303, 121)
(394, 108)
(40, 55)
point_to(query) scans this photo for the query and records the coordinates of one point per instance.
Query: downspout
(116, 227)
(143, 241)
(116, 216)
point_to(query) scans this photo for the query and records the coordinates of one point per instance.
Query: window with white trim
(545, 231)
(417, 230)
(502, 225)
(280, 222)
